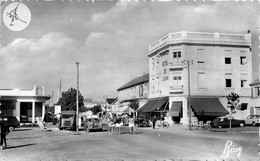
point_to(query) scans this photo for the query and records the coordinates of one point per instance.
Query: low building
(25, 104)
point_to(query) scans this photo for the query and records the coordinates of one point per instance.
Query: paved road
(174, 143)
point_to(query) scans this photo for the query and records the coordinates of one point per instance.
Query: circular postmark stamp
(16, 16)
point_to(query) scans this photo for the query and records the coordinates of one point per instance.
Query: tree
(96, 109)
(134, 105)
(68, 100)
(233, 100)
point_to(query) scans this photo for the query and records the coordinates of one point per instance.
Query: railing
(176, 88)
(177, 64)
(203, 37)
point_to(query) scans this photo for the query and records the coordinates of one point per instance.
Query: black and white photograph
(129, 80)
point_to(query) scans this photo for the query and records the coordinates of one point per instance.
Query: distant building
(109, 104)
(136, 89)
(218, 64)
(25, 104)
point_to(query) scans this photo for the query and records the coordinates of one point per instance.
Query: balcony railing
(176, 65)
(176, 89)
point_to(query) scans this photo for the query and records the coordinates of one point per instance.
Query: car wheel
(241, 124)
(253, 123)
(220, 127)
(11, 128)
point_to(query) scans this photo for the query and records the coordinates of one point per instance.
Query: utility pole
(77, 107)
(189, 95)
(60, 89)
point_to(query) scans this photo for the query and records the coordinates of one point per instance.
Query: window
(227, 60)
(177, 54)
(200, 55)
(164, 71)
(177, 80)
(243, 60)
(201, 80)
(152, 63)
(243, 83)
(165, 63)
(141, 90)
(257, 91)
(228, 83)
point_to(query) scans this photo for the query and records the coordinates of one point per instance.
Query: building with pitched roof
(136, 89)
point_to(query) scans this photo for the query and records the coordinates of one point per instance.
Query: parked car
(11, 122)
(252, 120)
(67, 120)
(225, 122)
(141, 121)
(91, 124)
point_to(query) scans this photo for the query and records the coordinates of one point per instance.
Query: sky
(108, 38)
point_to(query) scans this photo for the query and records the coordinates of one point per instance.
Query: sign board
(57, 109)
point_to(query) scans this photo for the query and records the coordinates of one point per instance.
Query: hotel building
(205, 66)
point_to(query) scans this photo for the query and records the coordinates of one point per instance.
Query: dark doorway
(26, 112)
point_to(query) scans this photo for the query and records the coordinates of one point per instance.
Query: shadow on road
(22, 129)
(19, 146)
(132, 133)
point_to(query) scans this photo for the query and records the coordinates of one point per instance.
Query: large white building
(25, 104)
(215, 64)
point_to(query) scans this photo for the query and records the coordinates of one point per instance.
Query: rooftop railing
(201, 37)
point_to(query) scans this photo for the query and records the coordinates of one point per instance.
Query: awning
(127, 110)
(147, 105)
(175, 108)
(158, 104)
(208, 107)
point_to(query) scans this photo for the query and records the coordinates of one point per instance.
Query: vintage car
(252, 120)
(225, 122)
(67, 120)
(92, 124)
(141, 121)
(10, 121)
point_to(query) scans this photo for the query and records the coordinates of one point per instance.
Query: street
(174, 143)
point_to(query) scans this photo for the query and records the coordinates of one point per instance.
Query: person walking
(111, 125)
(118, 124)
(4, 131)
(154, 121)
(131, 124)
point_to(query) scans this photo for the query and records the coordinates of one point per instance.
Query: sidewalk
(180, 127)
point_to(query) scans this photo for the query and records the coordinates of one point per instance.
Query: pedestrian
(154, 121)
(4, 131)
(111, 125)
(118, 124)
(131, 124)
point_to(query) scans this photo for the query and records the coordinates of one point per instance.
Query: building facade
(136, 89)
(204, 67)
(25, 104)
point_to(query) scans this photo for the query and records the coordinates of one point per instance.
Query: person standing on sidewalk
(154, 121)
